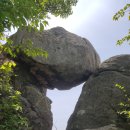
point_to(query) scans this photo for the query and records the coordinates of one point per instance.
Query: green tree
(33, 13)
(18, 14)
(121, 13)
(29, 13)
(124, 107)
(11, 115)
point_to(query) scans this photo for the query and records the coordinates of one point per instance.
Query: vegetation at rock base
(10, 106)
(124, 106)
(18, 14)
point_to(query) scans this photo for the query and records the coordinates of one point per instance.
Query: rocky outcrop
(98, 104)
(37, 108)
(71, 61)
(108, 127)
(71, 58)
(36, 105)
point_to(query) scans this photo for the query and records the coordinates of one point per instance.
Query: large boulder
(71, 58)
(98, 104)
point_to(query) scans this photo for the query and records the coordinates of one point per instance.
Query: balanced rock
(71, 58)
(98, 105)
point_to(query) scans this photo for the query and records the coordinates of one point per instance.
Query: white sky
(91, 19)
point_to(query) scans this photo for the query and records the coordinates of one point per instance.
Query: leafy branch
(124, 110)
(119, 15)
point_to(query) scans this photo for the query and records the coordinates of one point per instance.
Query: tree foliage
(17, 14)
(119, 15)
(33, 13)
(30, 13)
(124, 106)
(10, 106)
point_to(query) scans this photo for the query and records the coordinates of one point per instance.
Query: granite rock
(71, 58)
(98, 104)
(36, 105)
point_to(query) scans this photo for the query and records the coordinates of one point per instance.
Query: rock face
(99, 101)
(36, 106)
(108, 127)
(71, 58)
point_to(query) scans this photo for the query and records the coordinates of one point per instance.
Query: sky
(91, 19)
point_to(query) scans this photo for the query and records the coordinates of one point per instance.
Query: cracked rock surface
(71, 58)
(36, 105)
(99, 101)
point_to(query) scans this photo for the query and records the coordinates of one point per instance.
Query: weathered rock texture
(37, 107)
(99, 101)
(108, 127)
(71, 58)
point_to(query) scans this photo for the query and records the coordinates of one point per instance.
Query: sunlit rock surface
(98, 104)
(71, 58)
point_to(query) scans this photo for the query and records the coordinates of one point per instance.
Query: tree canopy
(33, 13)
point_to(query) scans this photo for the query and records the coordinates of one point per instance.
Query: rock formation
(98, 104)
(108, 127)
(71, 61)
(37, 107)
(71, 58)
